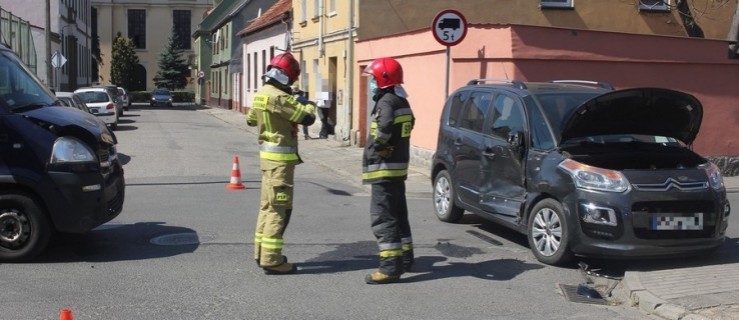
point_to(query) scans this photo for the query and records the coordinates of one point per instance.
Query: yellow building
(323, 37)
(149, 24)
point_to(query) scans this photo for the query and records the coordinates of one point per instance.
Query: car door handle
(488, 154)
(458, 142)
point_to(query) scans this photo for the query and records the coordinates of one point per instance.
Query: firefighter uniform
(276, 113)
(385, 166)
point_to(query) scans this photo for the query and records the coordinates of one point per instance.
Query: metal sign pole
(446, 85)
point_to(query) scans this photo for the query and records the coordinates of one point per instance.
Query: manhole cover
(181, 239)
(572, 295)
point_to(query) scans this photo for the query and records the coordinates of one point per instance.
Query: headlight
(70, 149)
(592, 178)
(714, 176)
(170, 99)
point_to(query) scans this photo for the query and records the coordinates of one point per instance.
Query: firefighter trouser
(275, 208)
(389, 214)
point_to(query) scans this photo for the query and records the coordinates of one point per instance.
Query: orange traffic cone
(236, 176)
(65, 314)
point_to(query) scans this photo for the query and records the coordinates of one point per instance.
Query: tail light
(110, 106)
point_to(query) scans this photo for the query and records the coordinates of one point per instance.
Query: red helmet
(287, 63)
(386, 71)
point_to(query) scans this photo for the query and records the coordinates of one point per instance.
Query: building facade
(71, 42)
(627, 45)
(149, 24)
(261, 40)
(323, 38)
(219, 58)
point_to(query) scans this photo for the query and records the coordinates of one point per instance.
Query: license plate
(667, 221)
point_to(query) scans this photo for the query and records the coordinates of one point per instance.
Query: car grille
(115, 205)
(672, 183)
(104, 158)
(644, 212)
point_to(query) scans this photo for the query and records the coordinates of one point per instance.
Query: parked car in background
(71, 99)
(100, 103)
(59, 168)
(581, 169)
(161, 97)
(115, 94)
(125, 98)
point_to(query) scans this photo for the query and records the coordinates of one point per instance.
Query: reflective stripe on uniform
(391, 253)
(384, 170)
(272, 243)
(298, 113)
(384, 174)
(257, 237)
(407, 243)
(278, 153)
(389, 246)
(385, 166)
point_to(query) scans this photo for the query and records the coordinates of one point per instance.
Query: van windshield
(19, 87)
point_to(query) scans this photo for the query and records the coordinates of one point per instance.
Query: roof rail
(604, 85)
(515, 83)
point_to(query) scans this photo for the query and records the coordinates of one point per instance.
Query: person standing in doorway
(277, 113)
(300, 94)
(327, 127)
(385, 167)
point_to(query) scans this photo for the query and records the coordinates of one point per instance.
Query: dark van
(59, 170)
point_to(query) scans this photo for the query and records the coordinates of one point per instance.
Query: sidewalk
(690, 293)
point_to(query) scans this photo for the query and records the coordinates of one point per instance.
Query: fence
(15, 33)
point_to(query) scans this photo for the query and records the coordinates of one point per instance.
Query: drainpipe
(350, 73)
(320, 29)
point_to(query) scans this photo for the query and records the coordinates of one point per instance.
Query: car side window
(475, 110)
(454, 105)
(508, 116)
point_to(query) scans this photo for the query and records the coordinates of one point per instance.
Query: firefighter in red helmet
(277, 113)
(385, 167)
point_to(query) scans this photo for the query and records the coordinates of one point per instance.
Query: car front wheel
(548, 233)
(444, 204)
(24, 228)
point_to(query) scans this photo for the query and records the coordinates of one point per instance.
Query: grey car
(161, 97)
(581, 169)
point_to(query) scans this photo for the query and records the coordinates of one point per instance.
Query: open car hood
(646, 111)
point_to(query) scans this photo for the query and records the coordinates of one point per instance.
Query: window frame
(659, 5)
(554, 4)
(183, 28)
(141, 44)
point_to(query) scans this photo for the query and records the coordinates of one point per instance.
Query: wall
(528, 53)
(383, 17)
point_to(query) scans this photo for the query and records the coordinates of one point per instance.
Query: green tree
(97, 59)
(123, 61)
(172, 67)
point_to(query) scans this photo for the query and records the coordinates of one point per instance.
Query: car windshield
(160, 92)
(19, 87)
(93, 96)
(557, 107)
(67, 101)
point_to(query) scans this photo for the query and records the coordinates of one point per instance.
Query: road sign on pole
(58, 60)
(201, 74)
(449, 27)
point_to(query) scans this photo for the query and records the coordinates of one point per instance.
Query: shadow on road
(117, 243)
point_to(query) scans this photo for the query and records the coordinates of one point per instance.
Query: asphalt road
(182, 248)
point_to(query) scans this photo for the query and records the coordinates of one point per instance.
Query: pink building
(530, 53)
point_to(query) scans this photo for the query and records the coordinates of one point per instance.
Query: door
(466, 149)
(502, 159)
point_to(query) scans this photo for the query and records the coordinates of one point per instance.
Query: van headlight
(714, 176)
(593, 178)
(70, 149)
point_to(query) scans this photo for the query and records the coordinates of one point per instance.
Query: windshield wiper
(29, 107)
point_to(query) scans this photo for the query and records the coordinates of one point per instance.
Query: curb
(643, 299)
